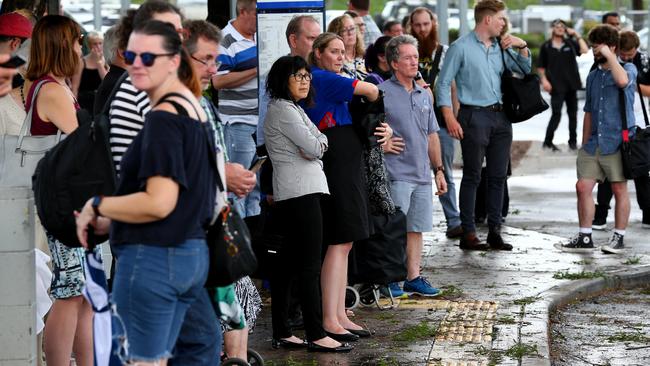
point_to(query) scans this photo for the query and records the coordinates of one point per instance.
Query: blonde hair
(320, 43)
(336, 27)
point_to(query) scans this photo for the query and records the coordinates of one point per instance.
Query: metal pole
(97, 13)
(462, 13)
(443, 27)
(124, 6)
(53, 6)
(648, 45)
(233, 9)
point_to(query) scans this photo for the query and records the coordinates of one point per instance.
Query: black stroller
(376, 262)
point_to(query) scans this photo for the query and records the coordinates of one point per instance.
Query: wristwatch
(522, 47)
(97, 200)
(439, 169)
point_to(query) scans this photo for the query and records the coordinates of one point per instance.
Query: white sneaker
(615, 245)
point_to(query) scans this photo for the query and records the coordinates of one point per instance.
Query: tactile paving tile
(468, 322)
(458, 363)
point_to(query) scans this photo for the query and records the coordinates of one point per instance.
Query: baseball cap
(15, 25)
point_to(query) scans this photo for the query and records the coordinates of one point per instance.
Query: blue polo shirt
(333, 92)
(603, 104)
(411, 116)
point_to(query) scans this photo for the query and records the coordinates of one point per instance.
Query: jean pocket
(185, 267)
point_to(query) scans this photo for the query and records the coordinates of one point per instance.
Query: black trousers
(557, 99)
(299, 264)
(480, 208)
(487, 134)
(604, 197)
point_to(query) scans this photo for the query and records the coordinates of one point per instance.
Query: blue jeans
(241, 149)
(448, 200)
(200, 339)
(153, 289)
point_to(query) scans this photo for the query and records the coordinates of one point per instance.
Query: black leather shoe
(345, 337)
(344, 347)
(551, 146)
(283, 343)
(362, 333)
(495, 241)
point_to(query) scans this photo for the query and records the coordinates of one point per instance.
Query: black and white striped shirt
(126, 116)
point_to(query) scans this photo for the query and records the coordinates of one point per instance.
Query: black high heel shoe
(283, 343)
(362, 333)
(344, 347)
(345, 337)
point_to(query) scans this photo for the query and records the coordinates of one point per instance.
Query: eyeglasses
(147, 58)
(207, 63)
(301, 77)
(351, 30)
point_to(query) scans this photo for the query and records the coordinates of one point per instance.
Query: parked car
(397, 10)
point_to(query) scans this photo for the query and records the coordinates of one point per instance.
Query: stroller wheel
(351, 297)
(366, 296)
(234, 362)
(254, 358)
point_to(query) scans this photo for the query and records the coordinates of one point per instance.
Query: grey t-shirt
(412, 118)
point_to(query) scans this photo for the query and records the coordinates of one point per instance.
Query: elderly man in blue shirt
(475, 62)
(602, 135)
(409, 111)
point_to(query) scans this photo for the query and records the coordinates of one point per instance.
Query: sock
(585, 230)
(619, 232)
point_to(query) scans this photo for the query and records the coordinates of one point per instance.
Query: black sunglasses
(147, 58)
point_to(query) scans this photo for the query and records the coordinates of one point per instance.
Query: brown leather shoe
(495, 241)
(470, 241)
(455, 232)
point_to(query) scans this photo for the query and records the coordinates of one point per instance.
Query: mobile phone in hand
(258, 164)
(14, 62)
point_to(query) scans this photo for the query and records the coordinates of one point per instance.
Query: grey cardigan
(295, 147)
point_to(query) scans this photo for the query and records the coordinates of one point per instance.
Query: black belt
(492, 108)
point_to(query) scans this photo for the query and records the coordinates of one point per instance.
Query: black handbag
(228, 238)
(522, 97)
(635, 150)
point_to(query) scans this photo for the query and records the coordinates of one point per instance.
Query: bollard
(17, 277)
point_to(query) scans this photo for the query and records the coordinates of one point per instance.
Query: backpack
(72, 172)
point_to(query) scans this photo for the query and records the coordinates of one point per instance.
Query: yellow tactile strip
(458, 363)
(468, 322)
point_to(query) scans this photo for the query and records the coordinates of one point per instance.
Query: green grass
(417, 332)
(637, 337)
(526, 300)
(645, 291)
(520, 350)
(506, 320)
(633, 260)
(566, 275)
(451, 291)
(291, 362)
(584, 262)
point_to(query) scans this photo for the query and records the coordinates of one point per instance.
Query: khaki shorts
(598, 167)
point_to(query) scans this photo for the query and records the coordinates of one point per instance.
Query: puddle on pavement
(611, 329)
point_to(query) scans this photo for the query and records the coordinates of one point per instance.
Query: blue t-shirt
(333, 92)
(171, 146)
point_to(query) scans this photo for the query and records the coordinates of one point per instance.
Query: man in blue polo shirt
(475, 62)
(409, 111)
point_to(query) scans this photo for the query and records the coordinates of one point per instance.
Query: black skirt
(345, 210)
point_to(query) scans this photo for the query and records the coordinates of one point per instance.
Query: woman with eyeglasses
(345, 211)
(164, 199)
(354, 66)
(90, 72)
(54, 55)
(296, 146)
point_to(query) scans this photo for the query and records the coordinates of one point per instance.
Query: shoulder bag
(635, 149)
(522, 97)
(20, 154)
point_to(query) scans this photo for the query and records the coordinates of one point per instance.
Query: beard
(427, 45)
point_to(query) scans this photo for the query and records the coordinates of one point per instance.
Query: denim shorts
(152, 290)
(416, 201)
(68, 277)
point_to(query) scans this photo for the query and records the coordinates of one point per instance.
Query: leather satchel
(21, 154)
(228, 239)
(522, 97)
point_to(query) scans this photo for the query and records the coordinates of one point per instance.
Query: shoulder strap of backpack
(435, 65)
(179, 108)
(116, 88)
(623, 112)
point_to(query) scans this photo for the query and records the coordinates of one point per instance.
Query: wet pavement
(612, 329)
(495, 305)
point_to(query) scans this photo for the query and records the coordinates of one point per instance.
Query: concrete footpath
(494, 308)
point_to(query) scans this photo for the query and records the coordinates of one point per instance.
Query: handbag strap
(503, 58)
(645, 112)
(27, 122)
(435, 65)
(621, 104)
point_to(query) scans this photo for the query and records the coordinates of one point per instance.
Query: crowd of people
(178, 91)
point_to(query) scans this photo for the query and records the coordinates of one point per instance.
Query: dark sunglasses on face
(147, 58)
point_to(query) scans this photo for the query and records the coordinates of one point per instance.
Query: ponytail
(186, 74)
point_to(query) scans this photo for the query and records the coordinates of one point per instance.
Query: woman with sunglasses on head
(354, 65)
(295, 146)
(54, 55)
(164, 199)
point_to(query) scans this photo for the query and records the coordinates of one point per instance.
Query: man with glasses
(559, 74)
(236, 81)
(482, 126)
